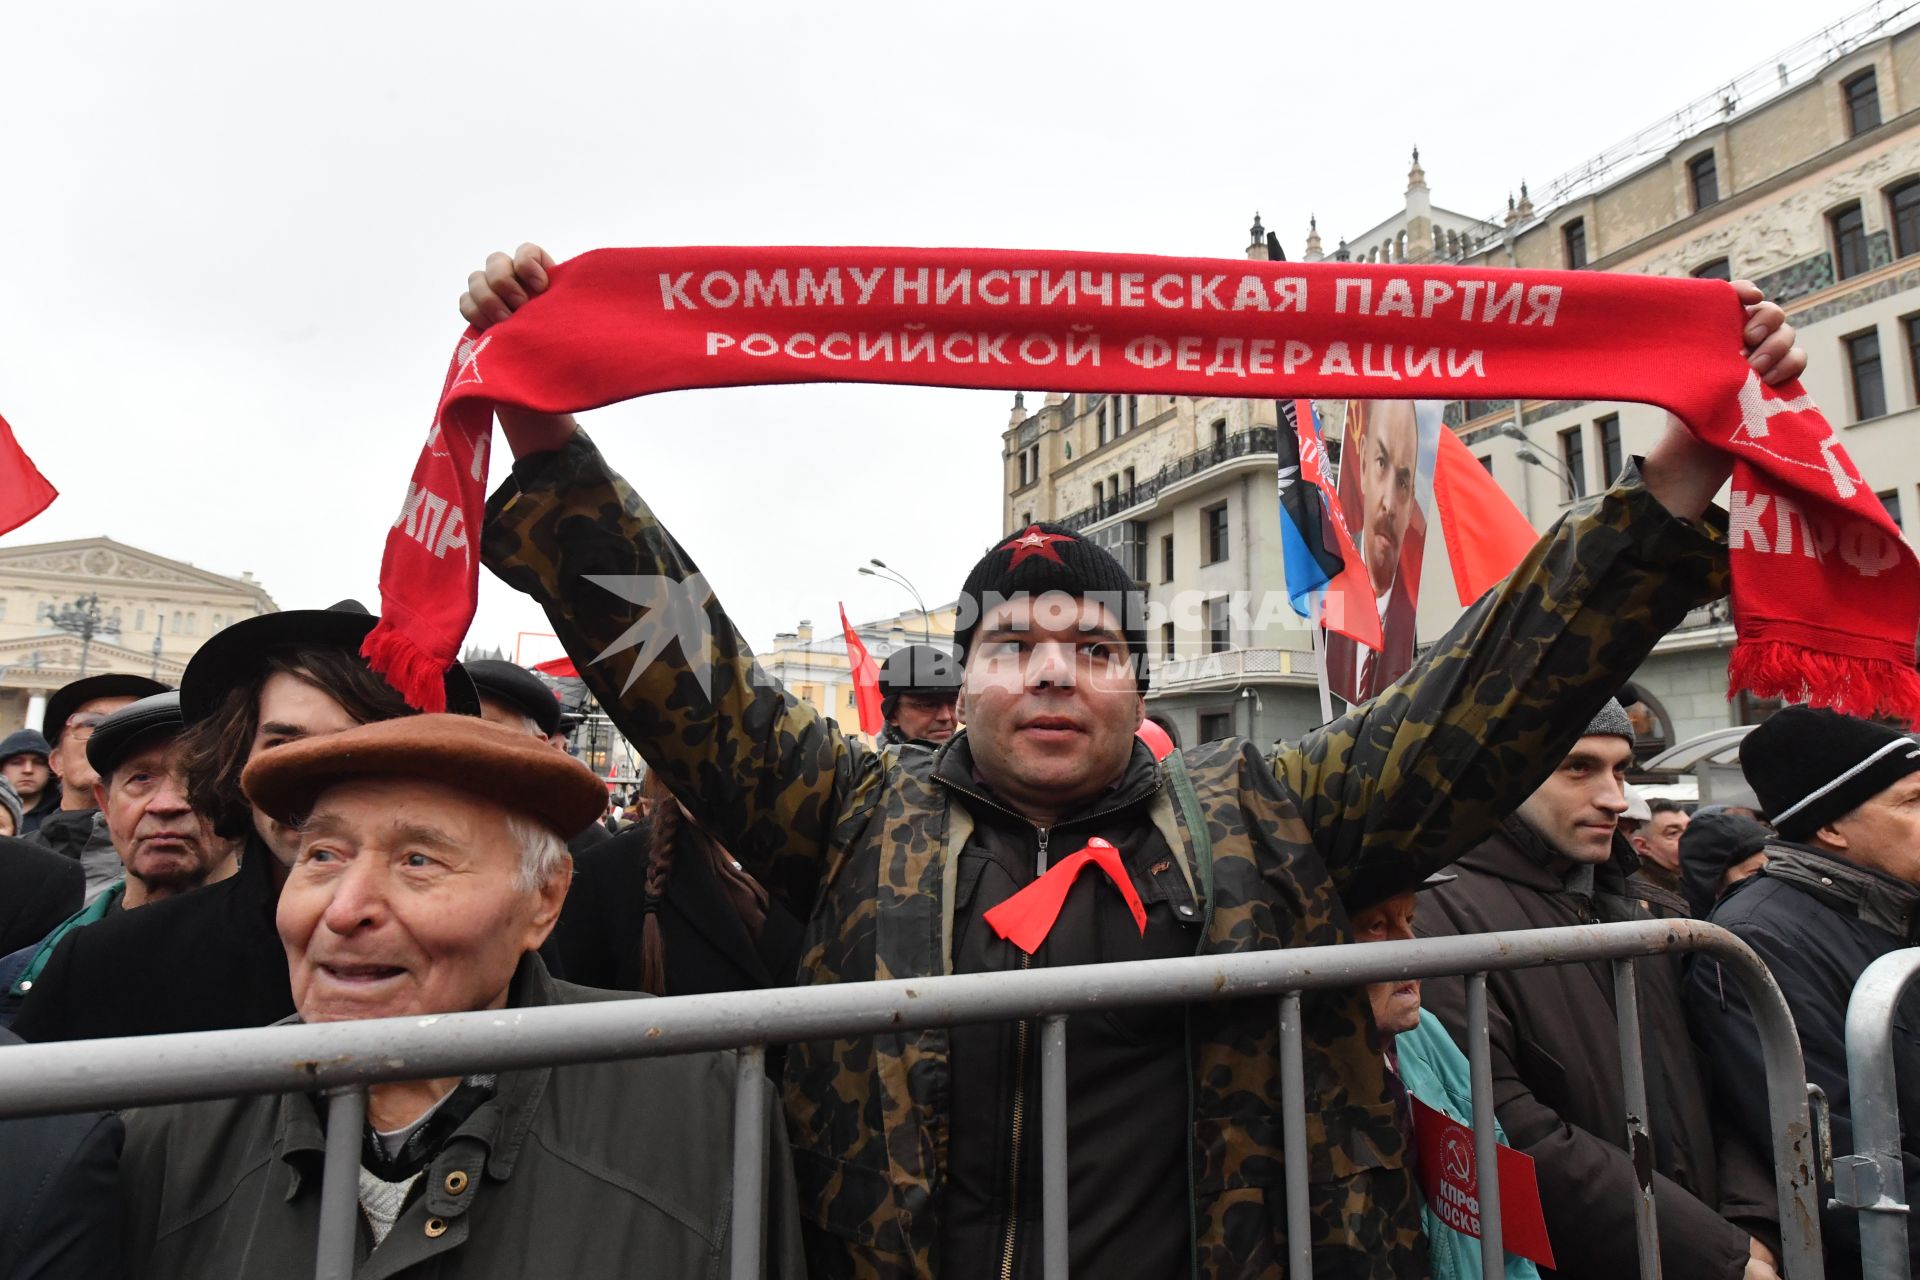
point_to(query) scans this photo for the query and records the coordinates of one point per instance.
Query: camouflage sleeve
(762, 770)
(1405, 784)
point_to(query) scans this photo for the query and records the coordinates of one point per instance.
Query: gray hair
(542, 852)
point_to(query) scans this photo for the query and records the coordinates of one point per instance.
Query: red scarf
(1826, 597)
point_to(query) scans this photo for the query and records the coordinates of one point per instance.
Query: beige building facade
(1802, 175)
(153, 613)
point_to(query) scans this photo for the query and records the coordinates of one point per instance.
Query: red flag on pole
(866, 678)
(558, 668)
(24, 492)
(1486, 534)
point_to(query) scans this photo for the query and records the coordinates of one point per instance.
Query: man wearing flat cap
(431, 866)
(1839, 889)
(162, 847)
(210, 960)
(74, 711)
(1560, 860)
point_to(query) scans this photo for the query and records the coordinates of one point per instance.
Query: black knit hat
(1811, 766)
(1044, 558)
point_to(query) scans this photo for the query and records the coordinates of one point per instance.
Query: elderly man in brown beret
(431, 867)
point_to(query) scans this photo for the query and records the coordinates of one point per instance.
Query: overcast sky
(232, 235)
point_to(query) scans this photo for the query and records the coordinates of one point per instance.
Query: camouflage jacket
(858, 842)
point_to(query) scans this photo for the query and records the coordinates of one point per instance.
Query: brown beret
(514, 770)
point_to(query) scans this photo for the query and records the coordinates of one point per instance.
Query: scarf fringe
(419, 676)
(1852, 686)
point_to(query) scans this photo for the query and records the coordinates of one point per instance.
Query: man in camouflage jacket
(892, 858)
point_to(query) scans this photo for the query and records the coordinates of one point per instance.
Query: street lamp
(81, 618)
(898, 578)
(1527, 455)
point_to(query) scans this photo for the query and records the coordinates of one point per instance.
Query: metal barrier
(1873, 1179)
(341, 1058)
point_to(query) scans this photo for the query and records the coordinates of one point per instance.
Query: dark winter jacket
(200, 961)
(869, 847)
(1817, 922)
(1556, 1071)
(58, 1216)
(1712, 843)
(708, 948)
(45, 807)
(81, 834)
(38, 889)
(606, 1169)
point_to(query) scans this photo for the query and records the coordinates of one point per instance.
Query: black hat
(1716, 839)
(1052, 557)
(1809, 766)
(69, 698)
(117, 736)
(917, 668)
(237, 654)
(519, 688)
(25, 742)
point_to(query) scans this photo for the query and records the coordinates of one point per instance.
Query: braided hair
(665, 821)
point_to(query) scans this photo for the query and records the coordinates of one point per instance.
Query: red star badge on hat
(1034, 542)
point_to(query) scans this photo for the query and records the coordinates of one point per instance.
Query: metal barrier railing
(1872, 1180)
(340, 1059)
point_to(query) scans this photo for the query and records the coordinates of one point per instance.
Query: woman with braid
(662, 908)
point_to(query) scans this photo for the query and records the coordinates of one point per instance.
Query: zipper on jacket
(1021, 1033)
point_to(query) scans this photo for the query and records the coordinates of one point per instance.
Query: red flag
(1486, 534)
(866, 679)
(24, 492)
(558, 668)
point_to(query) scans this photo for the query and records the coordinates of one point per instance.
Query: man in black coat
(23, 762)
(1840, 889)
(212, 959)
(38, 889)
(59, 1208)
(1556, 1062)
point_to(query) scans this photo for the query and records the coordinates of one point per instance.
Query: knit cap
(1809, 766)
(1045, 558)
(1610, 720)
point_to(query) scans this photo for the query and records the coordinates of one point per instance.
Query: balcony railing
(1239, 445)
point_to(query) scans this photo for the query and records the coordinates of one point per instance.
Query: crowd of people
(284, 839)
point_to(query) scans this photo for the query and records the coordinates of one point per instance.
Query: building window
(1891, 501)
(1166, 557)
(1718, 269)
(1133, 412)
(1611, 458)
(1166, 641)
(3, 609)
(1862, 94)
(1100, 424)
(1573, 457)
(1219, 433)
(1126, 481)
(1704, 179)
(1863, 368)
(1911, 326)
(1904, 204)
(1026, 518)
(139, 619)
(1216, 726)
(1219, 625)
(1849, 230)
(1025, 479)
(1214, 521)
(1574, 234)
(1486, 460)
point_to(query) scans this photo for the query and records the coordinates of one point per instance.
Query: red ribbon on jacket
(1826, 596)
(1027, 917)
